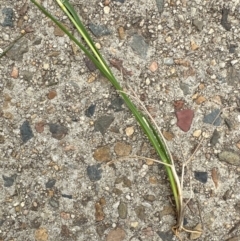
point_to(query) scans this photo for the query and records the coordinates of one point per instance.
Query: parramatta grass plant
(144, 119)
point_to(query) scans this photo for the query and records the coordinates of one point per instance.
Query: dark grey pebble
(117, 103)
(99, 30)
(37, 41)
(26, 131)
(224, 20)
(94, 172)
(8, 181)
(201, 176)
(50, 183)
(185, 88)
(8, 20)
(120, 1)
(36, 222)
(139, 45)
(67, 196)
(58, 131)
(89, 112)
(215, 137)
(54, 203)
(102, 123)
(166, 236)
(228, 123)
(211, 118)
(90, 65)
(18, 49)
(160, 5)
(1, 222)
(232, 48)
(79, 221)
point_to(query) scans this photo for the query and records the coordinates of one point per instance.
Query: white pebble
(233, 62)
(106, 9)
(147, 81)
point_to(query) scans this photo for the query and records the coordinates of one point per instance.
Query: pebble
(168, 61)
(50, 183)
(18, 50)
(58, 131)
(140, 212)
(201, 176)
(194, 46)
(147, 81)
(184, 119)
(54, 203)
(215, 137)
(41, 234)
(2, 139)
(99, 214)
(90, 65)
(166, 236)
(153, 66)
(58, 32)
(230, 157)
(185, 88)
(99, 30)
(89, 112)
(122, 149)
(27, 75)
(210, 118)
(122, 210)
(106, 9)
(139, 45)
(143, 170)
(9, 181)
(102, 154)
(149, 197)
(102, 123)
(121, 33)
(134, 224)
(200, 100)
(120, 1)
(222, 65)
(224, 20)
(129, 130)
(51, 94)
(197, 133)
(168, 39)
(39, 127)
(160, 5)
(94, 172)
(91, 79)
(198, 24)
(168, 135)
(233, 62)
(116, 104)
(26, 132)
(8, 20)
(116, 234)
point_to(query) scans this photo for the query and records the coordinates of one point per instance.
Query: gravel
(67, 140)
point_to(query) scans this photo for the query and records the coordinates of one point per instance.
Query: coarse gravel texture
(61, 122)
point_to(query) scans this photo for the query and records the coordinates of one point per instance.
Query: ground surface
(61, 122)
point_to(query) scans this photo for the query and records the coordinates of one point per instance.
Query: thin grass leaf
(100, 63)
